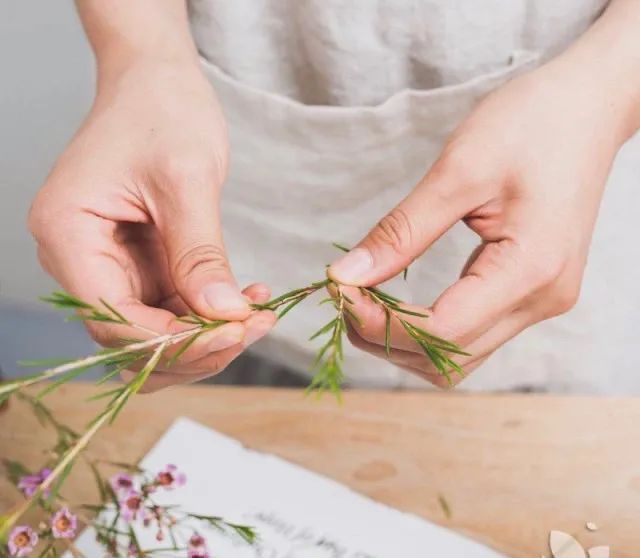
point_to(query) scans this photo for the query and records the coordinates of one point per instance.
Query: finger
(226, 335)
(439, 380)
(257, 326)
(88, 263)
(478, 351)
(408, 360)
(495, 285)
(369, 320)
(189, 224)
(258, 293)
(179, 358)
(435, 205)
(160, 379)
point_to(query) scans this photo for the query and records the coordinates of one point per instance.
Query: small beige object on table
(511, 468)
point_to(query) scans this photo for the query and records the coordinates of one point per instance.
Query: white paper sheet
(298, 514)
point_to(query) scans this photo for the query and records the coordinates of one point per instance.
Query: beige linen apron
(337, 109)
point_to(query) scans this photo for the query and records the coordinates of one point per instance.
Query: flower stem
(93, 360)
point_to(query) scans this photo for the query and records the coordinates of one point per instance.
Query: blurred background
(44, 94)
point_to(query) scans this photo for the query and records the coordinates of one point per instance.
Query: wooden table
(511, 467)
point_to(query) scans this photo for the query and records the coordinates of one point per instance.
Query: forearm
(123, 32)
(604, 64)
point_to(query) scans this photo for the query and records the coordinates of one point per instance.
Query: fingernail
(352, 267)
(224, 341)
(222, 296)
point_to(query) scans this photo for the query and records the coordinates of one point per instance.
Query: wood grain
(511, 467)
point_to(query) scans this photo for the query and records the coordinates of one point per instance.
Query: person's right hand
(130, 214)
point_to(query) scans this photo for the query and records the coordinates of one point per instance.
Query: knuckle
(543, 271)
(564, 298)
(201, 258)
(395, 230)
(190, 169)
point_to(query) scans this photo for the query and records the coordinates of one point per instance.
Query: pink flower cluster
(132, 498)
(23, 539)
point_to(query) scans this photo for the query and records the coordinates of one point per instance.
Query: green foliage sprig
(124, 500)
(146, 355)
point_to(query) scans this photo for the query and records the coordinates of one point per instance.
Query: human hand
(130, 214)
(526, 172)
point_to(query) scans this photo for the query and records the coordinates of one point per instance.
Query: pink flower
(196, 541)
(22, 540)
(197, 547)
(131, 505)
(170, 477)
(121, 482)
(63, 524)
(28, 484)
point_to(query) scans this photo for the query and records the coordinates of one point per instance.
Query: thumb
(401, 235)
(200, 271)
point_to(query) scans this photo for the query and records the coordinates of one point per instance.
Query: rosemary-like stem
(93, 360)
(68, 457)
(80, 444)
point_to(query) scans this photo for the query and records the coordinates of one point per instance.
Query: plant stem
(93, 360)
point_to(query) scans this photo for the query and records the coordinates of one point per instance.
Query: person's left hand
(526, 172)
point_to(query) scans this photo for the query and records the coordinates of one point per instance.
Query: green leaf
(100, 485)
(60, 299)
(410, 312)
(104, 394)
(60, 480)
(45, 362)
(353, 316)
(289, 307)
(47, 551)
(117, 314)
(111, 374)
(138, 381)
(383, 295)
(444, 505)
(324, 329)
(387, 332)
(15, 470)
(183, 349)
(247, 533)
(63, 379)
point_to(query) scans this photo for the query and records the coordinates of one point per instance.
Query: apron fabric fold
(305, 173)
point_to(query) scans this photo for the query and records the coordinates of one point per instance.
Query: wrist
(142, 75)
(116, 60)
(603, 69)
(596, 94)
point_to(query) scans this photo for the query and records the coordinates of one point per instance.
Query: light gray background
(46, 86)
